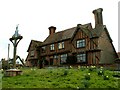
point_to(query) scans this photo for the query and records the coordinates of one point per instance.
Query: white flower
(88, 73)
(78, 67)
(78, 87)
(70, 66)
(107, 76)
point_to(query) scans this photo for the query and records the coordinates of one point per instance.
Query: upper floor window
(32, 53)
(63, 58)
(43, 49)
(81, 43)
(61, 45)
(52, 47)
(81, 57)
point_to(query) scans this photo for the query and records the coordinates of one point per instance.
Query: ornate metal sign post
(15, 40)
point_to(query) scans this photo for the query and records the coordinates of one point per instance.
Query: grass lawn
(61, 78)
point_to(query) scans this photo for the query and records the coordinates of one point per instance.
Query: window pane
(61, 45)
(81, 43)
(63, 58)
(52, 47)
(81, 57)
(32, 53)
(43, 49)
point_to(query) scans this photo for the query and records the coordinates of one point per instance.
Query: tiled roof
(69, 33)
(37, 43)
(59, 36)
(118, 54)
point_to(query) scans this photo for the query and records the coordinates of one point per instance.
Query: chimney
(98, 16)
(52, 30)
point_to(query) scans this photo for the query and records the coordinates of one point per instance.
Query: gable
(34, 44)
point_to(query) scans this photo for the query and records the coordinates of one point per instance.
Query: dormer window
(80, 43)
(61, 45)
(32, 53)
(52, 47)
(43, 49)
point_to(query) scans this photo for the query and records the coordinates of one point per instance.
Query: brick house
(33, 53)
(89, 45)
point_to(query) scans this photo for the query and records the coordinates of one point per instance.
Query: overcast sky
(35, 16)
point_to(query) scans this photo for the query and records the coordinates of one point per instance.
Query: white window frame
(61, 45)
(81, 57)
(52, 47)
(63, 58)
(43, 49)
(32, 53)
(80, 43)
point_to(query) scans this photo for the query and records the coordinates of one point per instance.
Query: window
(61, 45)
(63, 58)
(52, 47)
(81, 57)
(55, 56)
(81, 43)
(32, 53)
(43, 49)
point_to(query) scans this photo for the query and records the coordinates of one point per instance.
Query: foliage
(5, 64)
(101, 72)
(86, 83)
(59, 78)
(87, 76)
(106, 77)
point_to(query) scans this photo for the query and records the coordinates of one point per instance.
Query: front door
(51, 61)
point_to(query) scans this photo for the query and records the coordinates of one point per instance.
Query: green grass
(59, 78)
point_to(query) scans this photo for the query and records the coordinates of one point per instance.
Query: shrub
(87, 77)
(106, 77)
(101, 72)
(71, 67)
(65, 72)
(92, 68)
(86, 83)
(78, 67)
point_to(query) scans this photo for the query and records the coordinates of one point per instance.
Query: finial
(17, 26)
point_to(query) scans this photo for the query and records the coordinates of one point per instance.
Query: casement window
(63, 58)
(81, 57)
(61, 45)
(43, 49)
(55, 56)
(52, 47)
(81, 43)
(32, 53)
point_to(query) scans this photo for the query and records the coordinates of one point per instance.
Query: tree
(5, 64)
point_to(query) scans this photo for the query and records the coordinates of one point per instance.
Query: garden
(70, 77)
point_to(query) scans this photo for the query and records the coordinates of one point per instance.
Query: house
(33, 53)
(89, 45)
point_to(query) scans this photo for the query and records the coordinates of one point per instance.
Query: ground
(80, 77)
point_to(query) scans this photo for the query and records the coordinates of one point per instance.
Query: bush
(92, 68)
(86, 83)
(106, 77)
(101, 72)
(87, 77)
(65, 72)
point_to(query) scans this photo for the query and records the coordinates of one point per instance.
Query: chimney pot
(52, 30)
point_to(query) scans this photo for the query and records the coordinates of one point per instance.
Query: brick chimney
(52, 30)
(98, 16)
